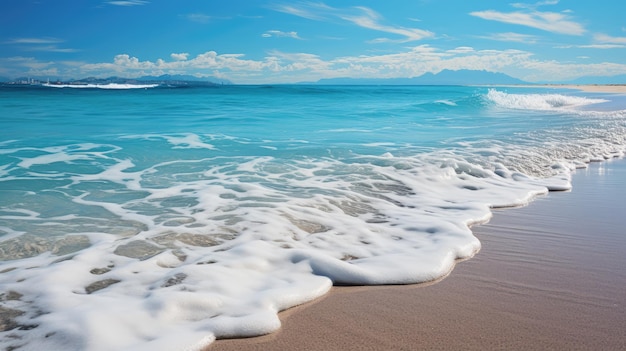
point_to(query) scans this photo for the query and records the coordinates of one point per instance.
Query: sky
(280, 41)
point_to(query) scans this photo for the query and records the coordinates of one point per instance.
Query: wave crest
(543, 102)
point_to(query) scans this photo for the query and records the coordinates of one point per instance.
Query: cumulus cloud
(129, 66)
(292, 67)
(179, 57)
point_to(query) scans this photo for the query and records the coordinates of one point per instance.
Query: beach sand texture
(550, 276)
(594, 88)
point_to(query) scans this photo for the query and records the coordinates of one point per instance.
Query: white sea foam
(539, 101)
(243, 241)
(446, 102)
(113, 86)
(65, 154)
(167, 241)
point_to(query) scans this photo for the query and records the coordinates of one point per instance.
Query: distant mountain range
(445, 77)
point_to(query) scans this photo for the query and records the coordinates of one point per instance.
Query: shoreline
(593, 88)
(590, 88)
(549, 276)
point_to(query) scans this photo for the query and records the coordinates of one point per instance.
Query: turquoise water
(171, 216)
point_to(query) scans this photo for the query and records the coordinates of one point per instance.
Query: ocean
(160, 218)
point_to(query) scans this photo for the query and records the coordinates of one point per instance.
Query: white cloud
(592, 46)
(179, 57)
(34, 41)
(535, 5)
(602, 41)
(461, 50)
(198, 17)
(128, 66)
(52, 48)
(548, 21)
(371, 20)
(361, 16)
(128, 2)
(46, 44)
(281, 67)
(312, 11)
(604, 46)
(603, 38)
(280, 34)
(291, 67)
(512, 37)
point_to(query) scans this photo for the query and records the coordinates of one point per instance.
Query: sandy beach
(550, 276)
(591, 88)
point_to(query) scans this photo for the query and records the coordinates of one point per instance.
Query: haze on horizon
(279, 41)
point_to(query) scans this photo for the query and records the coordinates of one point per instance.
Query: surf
(171, 217)
(539, 102)
(108, 86)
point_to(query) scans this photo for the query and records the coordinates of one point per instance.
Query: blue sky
(276, 41)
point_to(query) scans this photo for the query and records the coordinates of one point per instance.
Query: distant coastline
(91, 82)
(442, 78)
(164, 80)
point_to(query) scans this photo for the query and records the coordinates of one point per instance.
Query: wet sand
(550, 276)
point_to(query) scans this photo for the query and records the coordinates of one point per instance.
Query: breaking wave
(539, 102)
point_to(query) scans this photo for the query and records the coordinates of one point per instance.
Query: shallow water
(169, 217)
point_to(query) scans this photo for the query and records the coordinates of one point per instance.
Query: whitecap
(543, 102)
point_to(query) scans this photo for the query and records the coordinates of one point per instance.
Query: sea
(161, 218)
